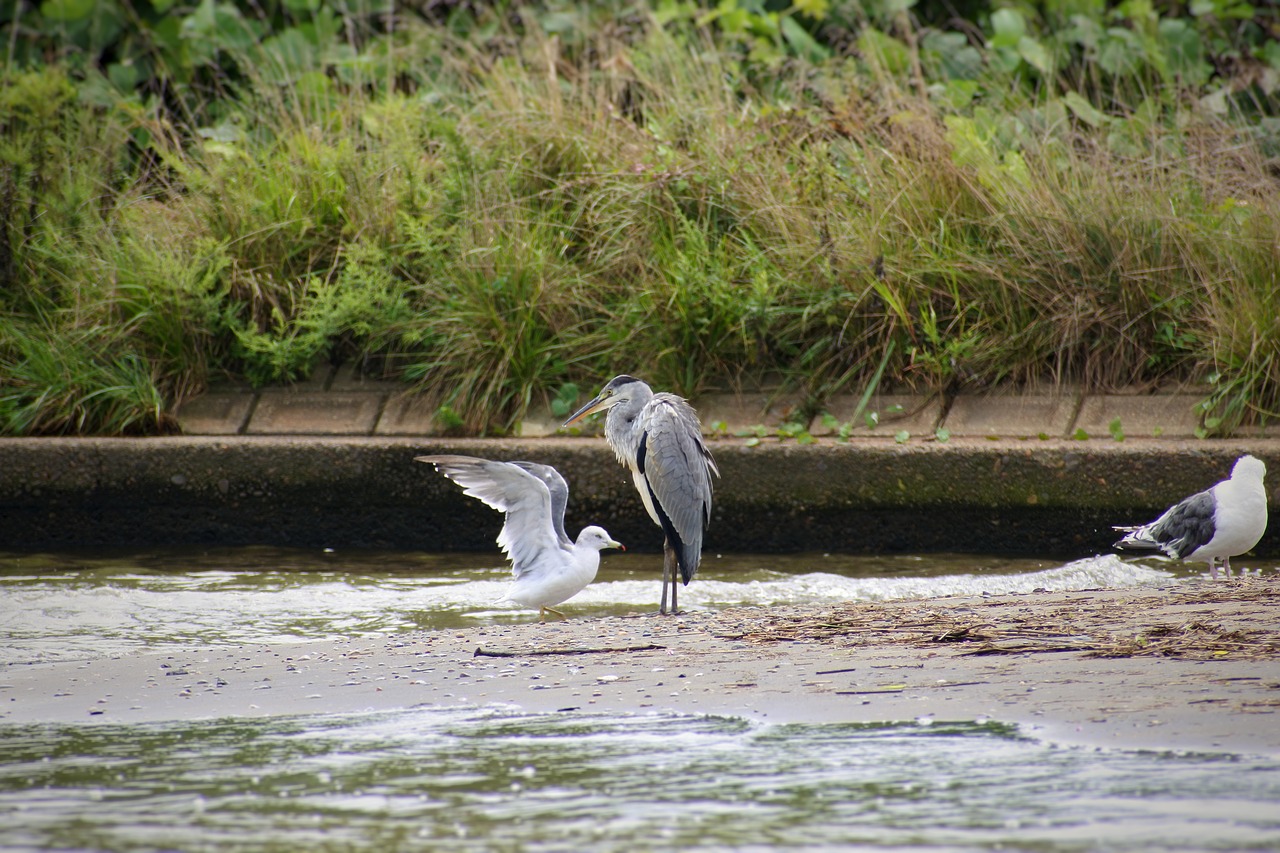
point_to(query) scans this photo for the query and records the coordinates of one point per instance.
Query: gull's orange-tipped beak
(619, 546)
(599, 403)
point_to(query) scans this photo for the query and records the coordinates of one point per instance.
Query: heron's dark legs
(670, 572)
(675, 581)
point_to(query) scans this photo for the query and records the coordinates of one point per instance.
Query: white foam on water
(824, 588)
(90, 614)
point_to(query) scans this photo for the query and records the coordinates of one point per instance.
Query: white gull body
(1217, 524)
(548, 568)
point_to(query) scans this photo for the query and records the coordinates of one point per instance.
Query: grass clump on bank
(497, 205)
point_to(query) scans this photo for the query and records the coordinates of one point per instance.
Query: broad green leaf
(1016, 168)
(1035, 55)
(1009, 27)
(956, 94)
(1084, 31)
(287, 56)
(953, 54)
(124, 76)
(1119, 52)
(802, 43)
(167, 34)
(227, 131)
(1184, 52)
(969, 146)
(215, 26)
(816, 9)
(1085, 111)
(884, 50)
(66, 11)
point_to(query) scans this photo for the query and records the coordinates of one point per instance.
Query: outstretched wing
(527, 533)
(677, 469)
(559, 490)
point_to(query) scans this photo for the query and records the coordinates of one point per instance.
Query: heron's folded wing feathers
(678, 466)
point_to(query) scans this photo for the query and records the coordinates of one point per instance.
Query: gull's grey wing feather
(1182, 528)
(559, 490)
(527, 532)
(677, 468)
(1187, 525)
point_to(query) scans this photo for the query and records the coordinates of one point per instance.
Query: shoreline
(1192, 667)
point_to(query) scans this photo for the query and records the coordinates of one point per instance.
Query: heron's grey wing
(527, 533)
(677, 468)
(559, 490)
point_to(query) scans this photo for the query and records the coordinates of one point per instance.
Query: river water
(491, 778)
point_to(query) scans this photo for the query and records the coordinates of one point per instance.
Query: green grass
(519, 213)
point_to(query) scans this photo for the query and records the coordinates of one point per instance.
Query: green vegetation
(501, 203)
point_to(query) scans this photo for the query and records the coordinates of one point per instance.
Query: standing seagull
(548, 567)
(1219, 523)
(659, 438)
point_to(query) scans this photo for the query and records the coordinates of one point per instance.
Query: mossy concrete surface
(1040, 497)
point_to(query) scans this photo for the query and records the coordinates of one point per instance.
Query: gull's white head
(598, 538)
(1249, 467)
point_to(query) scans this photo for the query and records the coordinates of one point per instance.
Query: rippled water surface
(472, 779)
(488, 778)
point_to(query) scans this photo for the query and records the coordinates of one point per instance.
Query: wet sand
(1193, 667)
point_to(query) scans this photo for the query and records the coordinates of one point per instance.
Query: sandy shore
(1192, 667)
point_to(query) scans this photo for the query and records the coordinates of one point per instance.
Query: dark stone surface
(1051, 498)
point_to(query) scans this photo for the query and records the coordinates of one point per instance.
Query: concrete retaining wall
(1041, 497)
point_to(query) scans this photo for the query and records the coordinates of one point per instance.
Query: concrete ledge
(885, 415)
(740, 412)
(1027, 416)
(347, 404)
(405, 415)
(219, 413)
(303, 413)
(1053, 497)
(1147, 416)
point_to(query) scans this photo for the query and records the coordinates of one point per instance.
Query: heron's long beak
(596, 405)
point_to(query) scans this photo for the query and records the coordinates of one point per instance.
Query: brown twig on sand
(482, 652)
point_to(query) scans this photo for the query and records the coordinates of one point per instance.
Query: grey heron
(1217, 524)
(547, 566)
(658, 437)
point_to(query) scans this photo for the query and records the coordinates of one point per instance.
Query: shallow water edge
(1057, 672)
